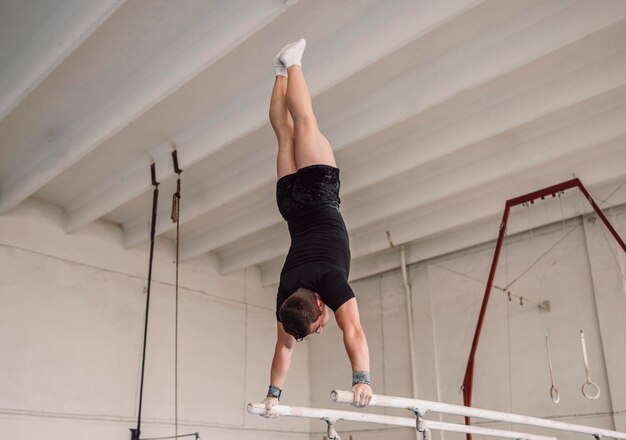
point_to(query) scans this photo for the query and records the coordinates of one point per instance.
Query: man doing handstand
(315, 272)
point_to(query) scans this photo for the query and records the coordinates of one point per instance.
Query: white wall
(581, 279)
(71, 314)
(71, 329)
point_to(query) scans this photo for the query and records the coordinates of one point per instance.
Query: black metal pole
(135, 433)
(176, 219)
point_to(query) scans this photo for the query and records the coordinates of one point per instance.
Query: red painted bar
(468, 379)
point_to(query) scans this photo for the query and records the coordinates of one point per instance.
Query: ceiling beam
(566, 145)
(275, 246)
(603, 77)
(61, 33)
(329, 66)
(472, 205)
(483, 229)
(228, 231)
(544, 101)
(182, 60)
(386, 211)
(450, 75)
(479, 232)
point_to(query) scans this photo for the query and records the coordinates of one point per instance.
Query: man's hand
(347, 317)
(362, 395)
(269, 402)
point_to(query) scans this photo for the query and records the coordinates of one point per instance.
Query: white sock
(279, 67)
(280, 70)
(292, 53)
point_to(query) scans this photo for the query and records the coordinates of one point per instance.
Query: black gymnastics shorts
(311, 186)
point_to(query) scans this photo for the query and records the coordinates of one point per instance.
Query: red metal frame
(527, 198)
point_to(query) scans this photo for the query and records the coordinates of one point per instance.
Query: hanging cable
(135, 433)
(477, 280)
(605, 201)
(542, 256)
(175, 218)
(562, 213)
(537, 273)
(606, 239)
(617, 263)
(554, 392)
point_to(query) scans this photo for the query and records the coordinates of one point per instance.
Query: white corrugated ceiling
(438, 113)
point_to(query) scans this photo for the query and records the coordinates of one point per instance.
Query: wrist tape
(274, 391)
(361, 377)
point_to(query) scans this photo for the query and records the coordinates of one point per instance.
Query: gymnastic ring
(593, 385)
(554, 394)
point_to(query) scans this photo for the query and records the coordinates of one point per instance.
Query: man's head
(303, 313)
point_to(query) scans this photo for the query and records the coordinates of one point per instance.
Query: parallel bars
(424, 406)
(332, 416)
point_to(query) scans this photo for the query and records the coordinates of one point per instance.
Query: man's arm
(282, 356)
(349, 322)
(280, 363)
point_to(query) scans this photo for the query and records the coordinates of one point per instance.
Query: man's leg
(311, 147)
(282, 123)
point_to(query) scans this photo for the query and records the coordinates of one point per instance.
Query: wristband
(360, 377)
(274, 391)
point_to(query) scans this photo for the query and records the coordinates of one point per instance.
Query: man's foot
(291, 54)
(279, 66)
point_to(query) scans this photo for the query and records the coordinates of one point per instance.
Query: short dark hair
(298, 312)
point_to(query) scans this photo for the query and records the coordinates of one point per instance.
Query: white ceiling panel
(437, 111)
